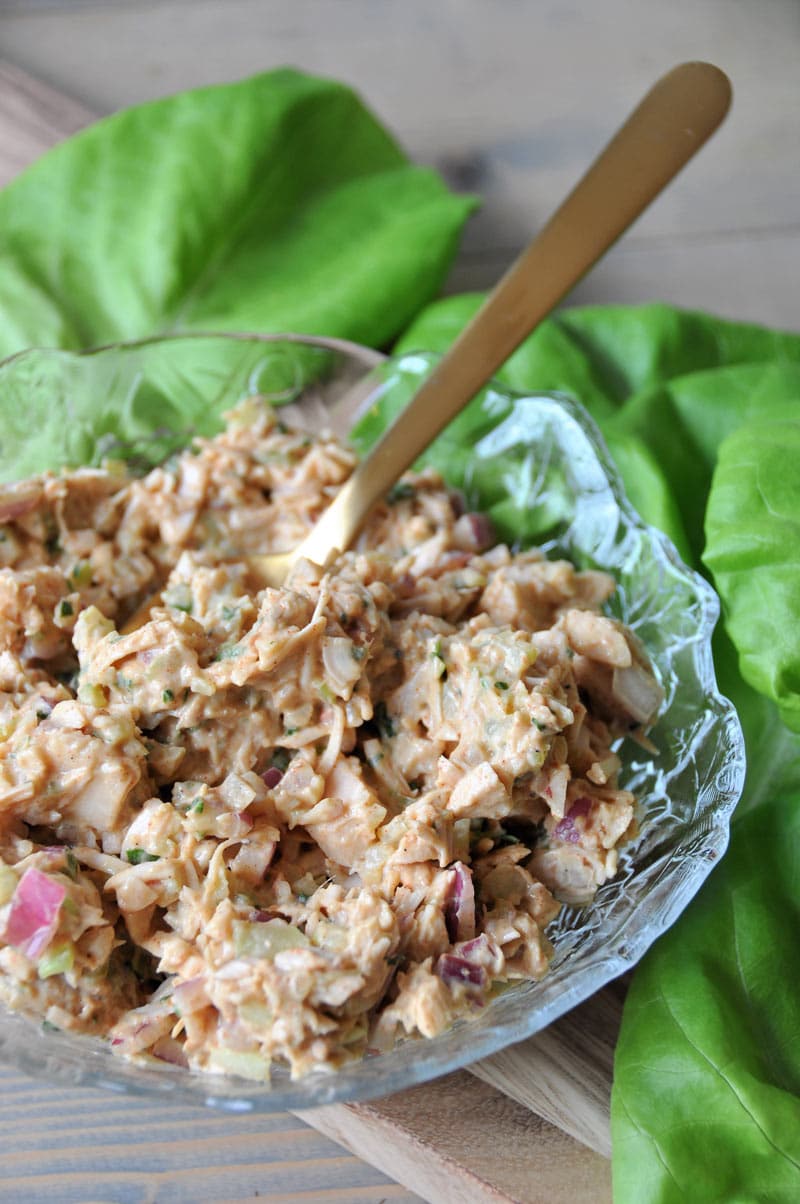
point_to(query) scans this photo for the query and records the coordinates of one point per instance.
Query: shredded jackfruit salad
(291, 826)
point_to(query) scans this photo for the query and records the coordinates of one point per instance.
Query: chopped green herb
(438, 656)
(290, 731)
(197, 807)
(326, 692)
(394, 959)
(501, 685)
(143, 964)
(227, 652)
(384, 720)
(403, 490)
(81, 573)
(137, 856)
(179, 597)
(280, 759)
(168, 696)
(42, 714)
(357, 652)
(281, 428)
(505, 838)
(71, 864)
(65, 609)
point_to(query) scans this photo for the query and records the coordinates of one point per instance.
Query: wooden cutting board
(529, 1124)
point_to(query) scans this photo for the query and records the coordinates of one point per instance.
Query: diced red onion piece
(271, 777)
(473, 946)
(565, 829)
(34, 913)
(167, 1049)
(16, 506)
(455, 560)
(452, 969)
(405, 585)
(457, 501)
(459, 909)
(482, 530)
(190, 995)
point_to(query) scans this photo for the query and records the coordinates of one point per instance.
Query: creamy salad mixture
(290, 825)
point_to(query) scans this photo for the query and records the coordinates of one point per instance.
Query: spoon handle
(670, 124)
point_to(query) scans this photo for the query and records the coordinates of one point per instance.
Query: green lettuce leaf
(276, 203)
(665, 386)
(753, 551)
(706, 1101)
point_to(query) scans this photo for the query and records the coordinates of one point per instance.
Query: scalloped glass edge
(687, 792)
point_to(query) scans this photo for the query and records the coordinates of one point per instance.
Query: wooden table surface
(509, 99)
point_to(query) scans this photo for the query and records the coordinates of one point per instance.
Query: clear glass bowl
(538, 464)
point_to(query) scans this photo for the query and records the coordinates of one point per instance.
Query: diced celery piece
(8, 883)
(58, 960)
(257, 1015)
(253, 939)
(330, 936)
(92, 695)
(236, 1061)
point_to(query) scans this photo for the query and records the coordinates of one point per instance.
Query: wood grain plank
(564, 1073)
(73, 1145)
(32, 117)
(509, 99)
(459, 1139)
(748, 277)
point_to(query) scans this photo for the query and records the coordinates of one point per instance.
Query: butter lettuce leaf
(706, 1101)
(665, 386)
(753, 551)
(275, 203)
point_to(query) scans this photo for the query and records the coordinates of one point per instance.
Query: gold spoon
(670, 124)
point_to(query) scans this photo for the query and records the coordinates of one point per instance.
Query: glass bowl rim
(205, 1089)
